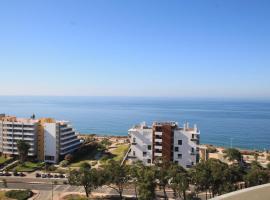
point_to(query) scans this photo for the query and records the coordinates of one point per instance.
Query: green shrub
(19, 194)
(64, 163)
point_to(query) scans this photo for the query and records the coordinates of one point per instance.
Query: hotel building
(165, 140)
(49, 140)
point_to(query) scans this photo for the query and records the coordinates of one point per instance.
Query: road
(49, 191)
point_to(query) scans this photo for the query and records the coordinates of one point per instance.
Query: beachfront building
(13, 129)
(165, 140)
(50, 140)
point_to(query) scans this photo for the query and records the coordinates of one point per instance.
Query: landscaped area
(15, 195)
(102, 151)
(4, 159)
(28, 166)
(119, 152)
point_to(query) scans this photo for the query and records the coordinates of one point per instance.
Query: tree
(23, 148)
(162, 175)
(233, 154)
(134, 172)
(200, 177)
(268, 166)
(69, 157)
(116, 176)
(179, 180)
(4, 183)
(256, 175)
(86, 177)
(212, 175)
(146, 183)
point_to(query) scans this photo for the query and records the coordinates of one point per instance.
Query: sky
(167, 48)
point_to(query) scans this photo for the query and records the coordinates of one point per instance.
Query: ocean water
(245, 124)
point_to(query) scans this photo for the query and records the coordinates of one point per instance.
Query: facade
(49, 139)
(165, 140)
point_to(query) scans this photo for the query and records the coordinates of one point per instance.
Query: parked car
(38, 175)
(1, 174)
(7, 174)
(22, 174)
(44, 175)
(56, 176)
(49, 176)
(61, 176)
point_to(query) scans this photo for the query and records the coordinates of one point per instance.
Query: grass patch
(3, 159)
(29, 166)
(19, 194)
(3, 196)
(120, 152)
(74, 197)
(85, 154)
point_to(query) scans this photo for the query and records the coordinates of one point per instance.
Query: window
(192, 150)
(192, 163)
(179, 156)
(176, 162)
(134, 140)
(144, 154)
(49, 157)
(134, 154)
(176, 149)
(179, 142)
(149, 147)
(148, 160)
(193, 136)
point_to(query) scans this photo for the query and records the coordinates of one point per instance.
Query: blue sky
(135, 48)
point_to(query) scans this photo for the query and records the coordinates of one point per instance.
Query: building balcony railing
(158, 140)
(158, 154)
(158, 147)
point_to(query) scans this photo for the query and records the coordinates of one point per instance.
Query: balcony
(158, 140)
(158, 147)
(158, 154)
(158, 133)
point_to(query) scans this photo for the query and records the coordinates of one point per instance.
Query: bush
(19, 194)
(211, 149)
(64, 163)
(69, 158)
(51, 168)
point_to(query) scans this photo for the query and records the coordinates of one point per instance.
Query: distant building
(49, 139)
(165, 140)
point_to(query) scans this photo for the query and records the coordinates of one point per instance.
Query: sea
(237, 123)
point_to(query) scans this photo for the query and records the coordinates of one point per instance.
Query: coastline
(101, 136)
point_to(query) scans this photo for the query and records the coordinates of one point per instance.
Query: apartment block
(165, 140)
(50, 140)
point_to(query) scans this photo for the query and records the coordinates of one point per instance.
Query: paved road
(49, 191)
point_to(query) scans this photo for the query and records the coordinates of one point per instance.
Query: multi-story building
(165, 140)
(49, 139)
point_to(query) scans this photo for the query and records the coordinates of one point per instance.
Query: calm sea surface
(245, 123)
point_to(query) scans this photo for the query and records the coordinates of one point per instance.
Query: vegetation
(19, 194)
(4, 183)
(116, 176)
(86, 177)
(29, 166)
(119, 152)
(86, 153)
(211, 177)
(3, 159)
(233, 155)
(23, 148)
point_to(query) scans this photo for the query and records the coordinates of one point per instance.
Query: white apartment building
(13, 129)
(59, 139)
(50, 140)
(165, 140)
